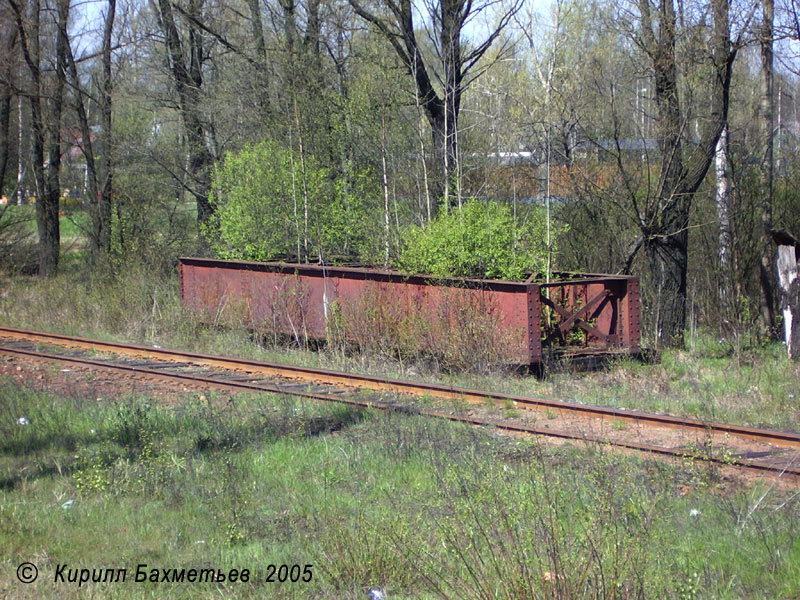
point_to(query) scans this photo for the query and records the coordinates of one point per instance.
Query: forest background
(462, 137)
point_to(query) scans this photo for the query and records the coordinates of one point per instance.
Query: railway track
(730, 445)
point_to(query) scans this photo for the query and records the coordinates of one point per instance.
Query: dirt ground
(100, 385)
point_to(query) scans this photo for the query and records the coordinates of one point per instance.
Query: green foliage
(418, 507)
(92, 473)
(261, 194)
(17, 238)
(349, 224)
(480, 240)
(153, 218)
(255, 192)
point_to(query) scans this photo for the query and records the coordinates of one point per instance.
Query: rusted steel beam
(297, 300)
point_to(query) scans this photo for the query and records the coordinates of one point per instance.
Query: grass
(72, 223)
(416, 507)
(758, 387)
(714, 381)
(419, 508)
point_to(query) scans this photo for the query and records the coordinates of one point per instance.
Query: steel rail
(214, 383)
(789, 469)
(382, 384)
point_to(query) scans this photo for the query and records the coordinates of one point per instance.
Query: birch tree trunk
(385, 186)
(725, 247)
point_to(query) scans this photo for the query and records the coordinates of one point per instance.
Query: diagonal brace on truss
(578, 317)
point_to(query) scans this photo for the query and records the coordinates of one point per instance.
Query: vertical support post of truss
(534, 334)
(633, 331)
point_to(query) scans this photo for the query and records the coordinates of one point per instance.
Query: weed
(754, 386)
(689, 589)
(619, 425)
(417, 507)
(91, 473)
(457, 328)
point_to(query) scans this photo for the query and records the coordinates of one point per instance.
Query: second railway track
(778, 455)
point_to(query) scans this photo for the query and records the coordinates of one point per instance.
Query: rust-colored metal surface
(525, 322)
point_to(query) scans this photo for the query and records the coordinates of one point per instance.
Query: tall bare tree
(46, 107)
(663, 219)
(766, 167)
(99, 172)
(186, 57)
(440, 83)
(8, 42)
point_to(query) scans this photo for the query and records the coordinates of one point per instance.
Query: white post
(788, 248)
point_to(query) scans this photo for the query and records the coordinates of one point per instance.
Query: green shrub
(261, 195)
(482, 239)
(18, 250)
